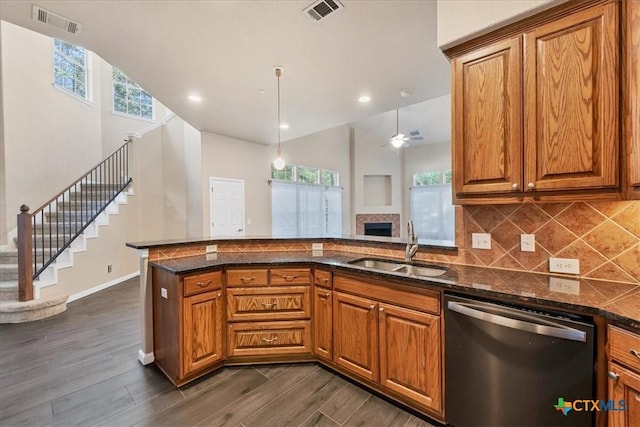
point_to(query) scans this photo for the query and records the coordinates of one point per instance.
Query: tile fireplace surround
(604, 236)
(394, 219)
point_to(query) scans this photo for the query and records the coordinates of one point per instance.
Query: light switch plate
(163, 293)
(564, 265)
(527, 242)
(481, 241)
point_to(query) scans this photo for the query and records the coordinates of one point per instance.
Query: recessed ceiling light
(364, 98)
(262, 91)
(405, 93)
(195, 98)
(284, 126)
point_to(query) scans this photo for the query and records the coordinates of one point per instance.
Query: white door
(226, 207)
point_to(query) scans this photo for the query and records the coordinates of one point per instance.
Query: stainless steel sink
(400, 267)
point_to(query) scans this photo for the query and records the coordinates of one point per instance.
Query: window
(70, 68)
(432, 206)
(129, 98)
(305, 210)
(305, 202)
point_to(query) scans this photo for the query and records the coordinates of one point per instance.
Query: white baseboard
(145, 358)
(102, 286)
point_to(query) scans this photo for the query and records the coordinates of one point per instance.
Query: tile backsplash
(604, 236)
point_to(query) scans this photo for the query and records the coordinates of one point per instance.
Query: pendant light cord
(278, 72)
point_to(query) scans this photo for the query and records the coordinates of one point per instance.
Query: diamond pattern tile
(629, 218)
(506, 234)
(530, 260)
(553, 209)
(487, 217)
(589, 258)
(630, 261)
(554, 237)
(610, 271)
(529, 218)
(610, 239)
(580, 218)
(610, 208)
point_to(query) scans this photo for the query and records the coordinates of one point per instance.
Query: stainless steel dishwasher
(508, 366)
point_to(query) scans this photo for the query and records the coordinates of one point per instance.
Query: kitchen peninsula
(264, 300)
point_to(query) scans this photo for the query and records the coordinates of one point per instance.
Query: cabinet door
(355, 329)
(410, 354)
(624, 385)
(322, 323)
(487, 107)
(571, 102)
(632, 92)
(202, 331)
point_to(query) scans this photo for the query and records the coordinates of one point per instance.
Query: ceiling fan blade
(417, 138)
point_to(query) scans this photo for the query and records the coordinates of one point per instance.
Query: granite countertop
(619, 302)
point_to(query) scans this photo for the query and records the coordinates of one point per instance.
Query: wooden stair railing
(65, 216)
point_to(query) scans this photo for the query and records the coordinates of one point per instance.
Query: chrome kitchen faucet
(412, 243)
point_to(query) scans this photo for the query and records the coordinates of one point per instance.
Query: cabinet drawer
(273, 303)
(624, 347)
(322, 279)
(202, 283)
(290, 276)
(402, 295)
(256, 277)
(269, 338)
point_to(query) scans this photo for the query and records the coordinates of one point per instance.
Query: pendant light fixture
(278, 163)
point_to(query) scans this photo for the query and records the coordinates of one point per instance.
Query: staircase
(56, 231)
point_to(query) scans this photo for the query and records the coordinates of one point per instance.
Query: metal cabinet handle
(325, 295)
(247, 279)
(372, 307)
(270, 305)
(203, 284)
(514, 185)
(289, 277)
(636, 353)
(219, 295)
(613, 376)
(531, 186)
(270, 339)
(381, 309)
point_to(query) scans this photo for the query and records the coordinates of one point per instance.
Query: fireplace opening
(377, 229)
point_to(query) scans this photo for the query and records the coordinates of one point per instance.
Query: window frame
(129, 85)
(87, 67)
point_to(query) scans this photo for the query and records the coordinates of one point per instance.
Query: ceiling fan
(400, 139)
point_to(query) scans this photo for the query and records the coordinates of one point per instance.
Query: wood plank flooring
(80, 368)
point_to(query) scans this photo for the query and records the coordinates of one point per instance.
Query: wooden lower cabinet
(355, 334)
(624, 386)
(410, 354)
(323, 323)
(202, 326)
(188, 328)
(269, 338)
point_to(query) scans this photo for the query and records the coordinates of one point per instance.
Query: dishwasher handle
(558, 331)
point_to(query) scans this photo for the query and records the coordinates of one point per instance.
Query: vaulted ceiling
(226, 51)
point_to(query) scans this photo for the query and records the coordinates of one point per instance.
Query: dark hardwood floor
(80, 368)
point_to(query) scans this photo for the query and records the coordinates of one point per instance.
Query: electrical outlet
(527, 242)
(317, 246)
(564, 265)
(163, 293)
(565, 286)
(109, 268)
(211, 249)
(481, 241)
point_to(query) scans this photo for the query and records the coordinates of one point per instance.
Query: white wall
(193, 175)
(374, 155)
(461, 20)
(225, 157)
(4, 224)
(328, 149)
(51, 138)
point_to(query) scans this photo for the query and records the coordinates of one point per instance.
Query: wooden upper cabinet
(487, 135)
(571, 102)
(631, 92)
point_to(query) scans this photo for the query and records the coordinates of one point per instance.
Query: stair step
(73, 206)
(8, 272)
(92, 195)
(9, 257)
(39, 228)
(19, 312)
(69, 215)
(9, 290)
(100, 186)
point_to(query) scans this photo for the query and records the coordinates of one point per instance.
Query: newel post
(25, 255)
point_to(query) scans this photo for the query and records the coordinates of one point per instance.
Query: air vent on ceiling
(60, 22)
(322, 8)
